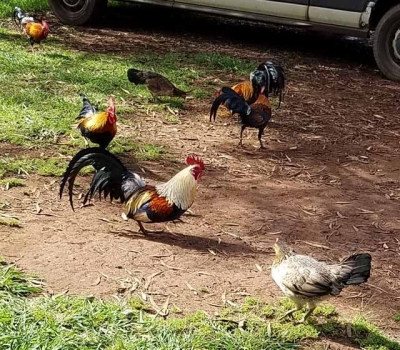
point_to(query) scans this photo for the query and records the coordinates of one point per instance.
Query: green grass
(12, 182)
(17, 283)
(43, 100)
(7, 6)
(396, 317)
(52, 166)
(39, 107)
(32, 321)
(10, 222)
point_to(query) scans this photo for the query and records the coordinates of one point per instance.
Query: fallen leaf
(212, 252)
(96, 281)
(340, 215)
(191, 288)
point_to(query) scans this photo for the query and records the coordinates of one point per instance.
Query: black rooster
(256, 115)
(275, 77)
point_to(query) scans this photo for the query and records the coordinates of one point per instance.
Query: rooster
(308, 281)
(256, 115)
(156, 83)
(275, 77)
(35, 31)
(98, 127)
(142, 203)
(249, 90)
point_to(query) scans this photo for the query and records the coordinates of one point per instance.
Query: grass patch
(45, 167)
(42, 103)
(12, 182)
(150, 152)
(10, 222)
(396, 317)
(370, 337)
(215, 60)
(17, 283)
(66, 322)
(7, 6)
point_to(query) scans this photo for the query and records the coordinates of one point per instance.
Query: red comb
(194, 160)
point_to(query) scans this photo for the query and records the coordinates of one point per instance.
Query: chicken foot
(147, 232)
(307, 314)
(289, 313)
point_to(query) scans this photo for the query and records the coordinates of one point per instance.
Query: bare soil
(328, 182)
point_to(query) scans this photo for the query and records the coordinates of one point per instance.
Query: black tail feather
(109, 173)
(275, 79)
(87, 108)
(233, 102)
(355, 269)
(18, 15)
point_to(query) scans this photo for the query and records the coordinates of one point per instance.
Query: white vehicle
(360, 18)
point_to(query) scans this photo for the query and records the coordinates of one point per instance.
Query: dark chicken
(249, 90)
(156, 83)
(35, 31)
(98, 127)
(142, 203)
(275, 78)
(257, 115)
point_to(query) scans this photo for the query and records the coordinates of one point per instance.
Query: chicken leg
(241, 136)
(147, 232)
(260, 132)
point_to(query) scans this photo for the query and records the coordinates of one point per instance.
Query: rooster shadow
(192, 242)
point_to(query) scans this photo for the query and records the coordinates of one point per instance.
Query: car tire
(78, 12)
(387, 44)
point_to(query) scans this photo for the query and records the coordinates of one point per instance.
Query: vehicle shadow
(161, 29)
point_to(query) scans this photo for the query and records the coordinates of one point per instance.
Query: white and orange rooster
(142, 203)
(35, 30)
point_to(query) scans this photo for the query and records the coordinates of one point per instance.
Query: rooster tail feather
(233, 102)
(110, 173)
(355, 269)
(136, 76)
(18, 15)
(87, 108)
(223, 95)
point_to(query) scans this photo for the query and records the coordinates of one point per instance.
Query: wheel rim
(396, 44)
(73, 5)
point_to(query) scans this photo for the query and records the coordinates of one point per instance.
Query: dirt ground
(328, 182)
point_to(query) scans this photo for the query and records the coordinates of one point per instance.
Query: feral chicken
(256, 115)
(98, 127)
(307, 281)
(35, 30)
(275, 78)
(156, 83)
(249, 90)
(142, 203)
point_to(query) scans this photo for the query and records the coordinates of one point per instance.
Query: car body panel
(345, 5)
(335, 17)
(298, 9)
(340, 16)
